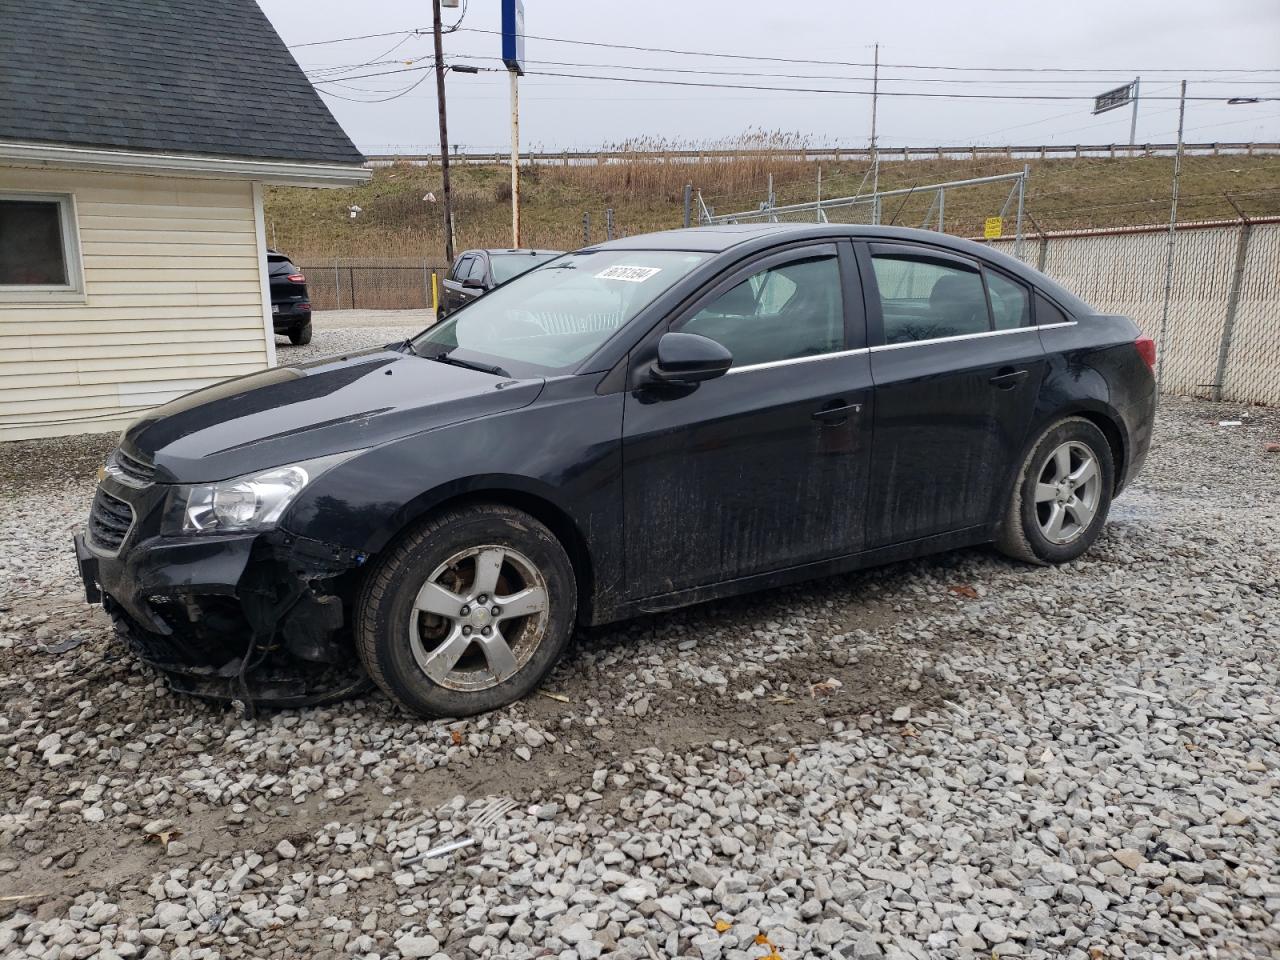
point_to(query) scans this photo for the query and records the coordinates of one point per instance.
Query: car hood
(294, 413)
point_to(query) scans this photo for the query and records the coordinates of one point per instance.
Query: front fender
(565, 451)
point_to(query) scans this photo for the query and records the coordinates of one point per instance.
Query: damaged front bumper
(258, 618)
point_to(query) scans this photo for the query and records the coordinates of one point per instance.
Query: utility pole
(1133, 123)
(515, 158)
(875, 96)
(444, 133)
(1173, 222)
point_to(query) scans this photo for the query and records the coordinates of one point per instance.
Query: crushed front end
(258, 616)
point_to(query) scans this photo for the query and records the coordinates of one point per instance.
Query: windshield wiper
(470, 364)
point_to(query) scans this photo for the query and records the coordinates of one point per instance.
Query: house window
(39, 250)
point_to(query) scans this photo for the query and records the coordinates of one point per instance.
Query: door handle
(1008, 378)
(836, 412)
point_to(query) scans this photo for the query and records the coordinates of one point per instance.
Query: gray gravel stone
(1088, 761)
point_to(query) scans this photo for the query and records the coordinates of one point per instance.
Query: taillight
(1146, 350)
(302, 307)
(297, 278)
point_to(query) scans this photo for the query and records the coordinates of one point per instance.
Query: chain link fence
(1222, 336)
(1221, 339)
(368, 284)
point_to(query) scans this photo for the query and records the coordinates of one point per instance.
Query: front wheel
(468, 612)
(1061, 496)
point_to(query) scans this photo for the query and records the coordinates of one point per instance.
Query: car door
(476, 283)
(954, 392)
(764, 467)
(454, 294)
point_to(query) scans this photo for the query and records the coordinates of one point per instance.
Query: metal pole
(515, 158)
(875, 97)
(1022, 200)
(1173, 222)
(942, 209)
(1233, 302)
(444, 132)
(337, 285)
(1133, 124)
(608, 223)
(688, 205)
(586, 229)
(819, 211)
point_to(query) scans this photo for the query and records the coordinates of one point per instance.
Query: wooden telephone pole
(444, 133)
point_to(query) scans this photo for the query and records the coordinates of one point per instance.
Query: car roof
(755, 236)
(522, 251)
(721, 237)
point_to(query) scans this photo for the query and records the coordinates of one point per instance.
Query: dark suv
(290, 304)
(475, 272)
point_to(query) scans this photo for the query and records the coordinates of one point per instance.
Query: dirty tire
(1020, 535)
(386, 605)
(301, 336)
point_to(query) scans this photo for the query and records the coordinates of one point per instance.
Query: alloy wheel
(479, 617)
(1068, 487)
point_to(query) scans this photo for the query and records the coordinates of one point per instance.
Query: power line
(377, 61)
(394, 96)
(828, 76)
(1121, 71)
(899, 66)
(823, 90)
(859, 93)
(367, 36)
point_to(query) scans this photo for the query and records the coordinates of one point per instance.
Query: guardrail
(954, 152)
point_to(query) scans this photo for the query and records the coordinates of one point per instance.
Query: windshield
(508, 265)
(553, 318)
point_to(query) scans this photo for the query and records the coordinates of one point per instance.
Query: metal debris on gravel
(1074, 763)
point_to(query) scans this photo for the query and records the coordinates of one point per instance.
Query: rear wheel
(468, 612)
(1062, 494)
(300, 336)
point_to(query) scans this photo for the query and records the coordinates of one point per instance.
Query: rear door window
(1010, 302)
(922, 298)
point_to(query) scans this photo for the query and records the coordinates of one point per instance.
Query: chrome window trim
(768, 364)
(891, 346)
(969, 336)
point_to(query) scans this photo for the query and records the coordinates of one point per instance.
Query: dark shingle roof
(209, 77)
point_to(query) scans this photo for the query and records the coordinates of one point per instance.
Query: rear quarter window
(1048, 312)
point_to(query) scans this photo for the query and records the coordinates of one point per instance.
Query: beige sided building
(132, 250)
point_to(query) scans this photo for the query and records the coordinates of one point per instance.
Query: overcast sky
(1113, 41)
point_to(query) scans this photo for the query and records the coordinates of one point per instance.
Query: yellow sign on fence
(993, 228)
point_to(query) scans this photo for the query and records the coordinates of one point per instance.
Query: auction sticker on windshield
(630, 274)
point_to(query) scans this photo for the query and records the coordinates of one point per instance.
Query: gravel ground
(336, 331)
(953, 757)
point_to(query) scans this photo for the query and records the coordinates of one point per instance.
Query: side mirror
(473, 284)
(689, 358)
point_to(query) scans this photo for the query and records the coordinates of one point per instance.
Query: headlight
(249, 503)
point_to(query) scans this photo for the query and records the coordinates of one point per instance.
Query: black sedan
(290, 302)
(475, 272)
(639, 425)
